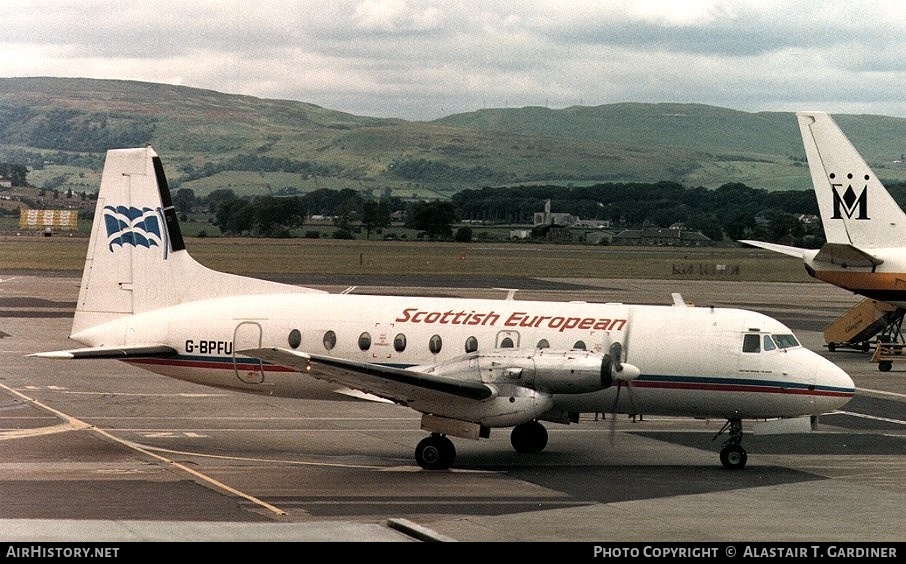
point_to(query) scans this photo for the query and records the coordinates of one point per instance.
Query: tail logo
(849, 203)
(132, 226)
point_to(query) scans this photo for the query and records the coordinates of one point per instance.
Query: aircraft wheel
(435, 452)
(832, 347)
(529, 437)
(885, 366)
(733, 457)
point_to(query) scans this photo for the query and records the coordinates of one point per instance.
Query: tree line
(17, 173)
(279, 216)
(731, 212)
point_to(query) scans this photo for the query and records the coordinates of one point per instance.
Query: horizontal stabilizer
(122, 353)
(784, 249)
(845, 255)
(385, 381)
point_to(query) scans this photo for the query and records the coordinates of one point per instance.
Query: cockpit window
(769, 343)
(751, 343)
(786, 341)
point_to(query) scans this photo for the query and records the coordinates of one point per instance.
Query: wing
(123, 353)
(400, 385)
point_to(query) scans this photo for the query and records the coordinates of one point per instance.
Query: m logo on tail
(132, 226)
(849, 203)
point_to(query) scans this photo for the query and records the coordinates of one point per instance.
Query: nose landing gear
(732, 455)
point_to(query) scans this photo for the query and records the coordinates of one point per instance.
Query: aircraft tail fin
(137, 259)
(856, 208)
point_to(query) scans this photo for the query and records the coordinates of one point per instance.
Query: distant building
(661, 237)
(566, 220)
(554, 233)
(593, 223)
(6, 183)
(49, 220)
(548, 218)
(598, 237)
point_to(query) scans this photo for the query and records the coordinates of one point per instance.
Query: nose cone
(833, 386)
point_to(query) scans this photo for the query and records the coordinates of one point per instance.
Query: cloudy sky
(424, 59)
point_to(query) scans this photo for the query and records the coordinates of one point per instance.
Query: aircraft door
(247, 335)
(385, 343)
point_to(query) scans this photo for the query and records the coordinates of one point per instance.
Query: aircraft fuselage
(691, 358)
(885, 282)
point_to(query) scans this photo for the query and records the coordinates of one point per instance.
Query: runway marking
(872, 417)
(38, 431)
(250, 459)
(129, 394)
(173, 434)
(881, 392)
(72, 422)
(244, 419)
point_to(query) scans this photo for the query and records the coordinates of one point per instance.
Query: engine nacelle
(565, 372)
(545, 370)
(508, 410)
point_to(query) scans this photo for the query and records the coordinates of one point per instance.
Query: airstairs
(866, 324)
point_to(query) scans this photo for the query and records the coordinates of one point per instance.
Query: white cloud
(425, 59)
(395, 16)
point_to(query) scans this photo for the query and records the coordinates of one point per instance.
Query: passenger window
(751, 343)
(579, 346)
(506, 343)
(294, 339)
(399, 343)
(543, 344)
(435, 344)
(330, 340)
(471, 344)
(769, 343)
(364, 341)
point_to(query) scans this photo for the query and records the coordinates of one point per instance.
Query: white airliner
(864, 228)
(468, 365)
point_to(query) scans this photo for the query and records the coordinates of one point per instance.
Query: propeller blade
(616, 355)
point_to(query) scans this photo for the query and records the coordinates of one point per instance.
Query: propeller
(615, 370)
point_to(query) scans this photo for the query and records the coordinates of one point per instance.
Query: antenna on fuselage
(510, 292)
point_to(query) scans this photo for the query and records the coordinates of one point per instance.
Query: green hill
(208, 140)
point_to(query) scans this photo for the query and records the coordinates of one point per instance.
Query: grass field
(387, 258)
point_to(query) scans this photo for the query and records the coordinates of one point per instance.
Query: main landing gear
(436, 451)
(732, 455)
(529, 437)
